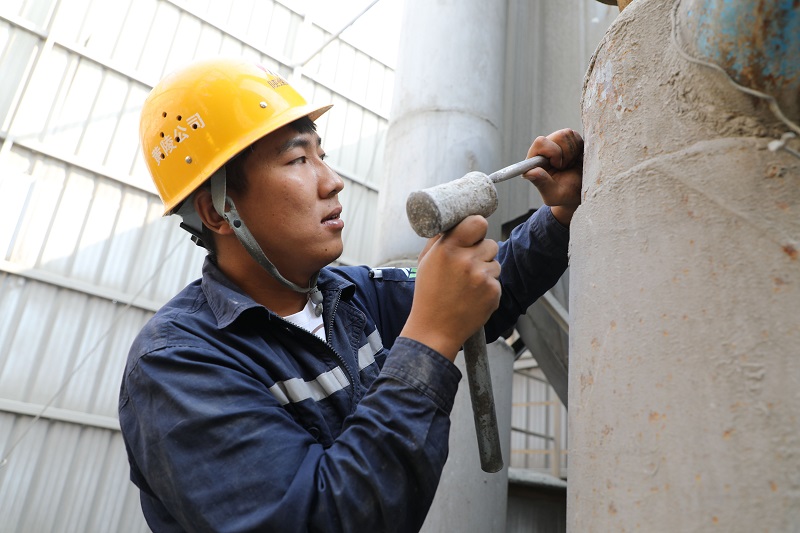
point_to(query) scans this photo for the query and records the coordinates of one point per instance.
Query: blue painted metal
(757, 42)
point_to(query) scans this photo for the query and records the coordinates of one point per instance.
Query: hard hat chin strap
(220, 199)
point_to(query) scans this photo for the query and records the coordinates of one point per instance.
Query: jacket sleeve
(219, 453)
(532, 260)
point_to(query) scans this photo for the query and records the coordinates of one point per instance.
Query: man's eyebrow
(301, 141)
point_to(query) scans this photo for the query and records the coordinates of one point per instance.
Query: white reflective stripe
(296, 390)
(366, 354)
(328, 383)
(277, 391)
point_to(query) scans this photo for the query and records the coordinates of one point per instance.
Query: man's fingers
(562, 148)
(468, 232)
(571, 144)
(427, 247)
(548, 148)
(538, 176)
(487, 250)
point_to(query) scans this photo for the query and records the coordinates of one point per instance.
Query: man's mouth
(334, 215)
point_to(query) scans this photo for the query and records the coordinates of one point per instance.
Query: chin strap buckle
(315, 295)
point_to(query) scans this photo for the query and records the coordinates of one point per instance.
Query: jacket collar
(227, 301)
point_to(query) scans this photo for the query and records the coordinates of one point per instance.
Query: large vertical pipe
(446, 120)
(447, 108)
(685, 287)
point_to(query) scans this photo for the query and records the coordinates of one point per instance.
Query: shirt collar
(227, 301)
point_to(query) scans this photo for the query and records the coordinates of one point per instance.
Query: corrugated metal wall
(85, 257)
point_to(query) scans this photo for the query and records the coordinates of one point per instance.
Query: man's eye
(299, 161)
(323, 156)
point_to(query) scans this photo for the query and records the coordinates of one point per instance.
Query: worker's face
(291, 203)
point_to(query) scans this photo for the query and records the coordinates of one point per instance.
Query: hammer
(435, 210)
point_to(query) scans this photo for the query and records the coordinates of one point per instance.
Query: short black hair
(236, 179)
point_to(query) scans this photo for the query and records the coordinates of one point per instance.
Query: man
(277, 393)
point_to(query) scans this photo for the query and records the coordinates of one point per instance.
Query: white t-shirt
(308, 320)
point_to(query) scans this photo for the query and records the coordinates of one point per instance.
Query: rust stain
(779, 283)
(746, 68)
(727, 434)
(791, 251)
(774, 171)
(612, 509)
(654, 416)
(715, 519)
(773, 486)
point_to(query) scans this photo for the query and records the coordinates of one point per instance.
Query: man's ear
(204, 207)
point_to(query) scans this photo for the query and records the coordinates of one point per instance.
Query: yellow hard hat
(199, 117)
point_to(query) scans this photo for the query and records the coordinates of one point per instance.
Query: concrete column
(446, 121)
(685, 293)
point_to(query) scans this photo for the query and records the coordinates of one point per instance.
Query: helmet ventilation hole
(179, 118)
(164, 114)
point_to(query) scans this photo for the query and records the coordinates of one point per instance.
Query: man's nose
(330, 182)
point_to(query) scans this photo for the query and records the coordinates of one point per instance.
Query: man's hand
(561, 186)
(456, 287)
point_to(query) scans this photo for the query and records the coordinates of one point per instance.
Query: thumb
(541, 179)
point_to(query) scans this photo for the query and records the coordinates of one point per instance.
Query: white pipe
(446, 121)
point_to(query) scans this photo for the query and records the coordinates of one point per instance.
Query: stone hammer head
(437, 209)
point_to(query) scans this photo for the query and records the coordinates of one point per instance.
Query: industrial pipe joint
(685, 273)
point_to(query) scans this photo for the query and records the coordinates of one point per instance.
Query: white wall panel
(65, 478)
(74, 224)
(16, 54)
(36, 11)
(61, 347)
(85, 233)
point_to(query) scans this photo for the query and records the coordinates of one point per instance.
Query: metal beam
(553, 364)
(58, 414)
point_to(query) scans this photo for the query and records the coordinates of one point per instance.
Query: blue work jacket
(237, 420)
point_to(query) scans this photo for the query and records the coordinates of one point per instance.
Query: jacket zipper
(329, 345)
(329, 338)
